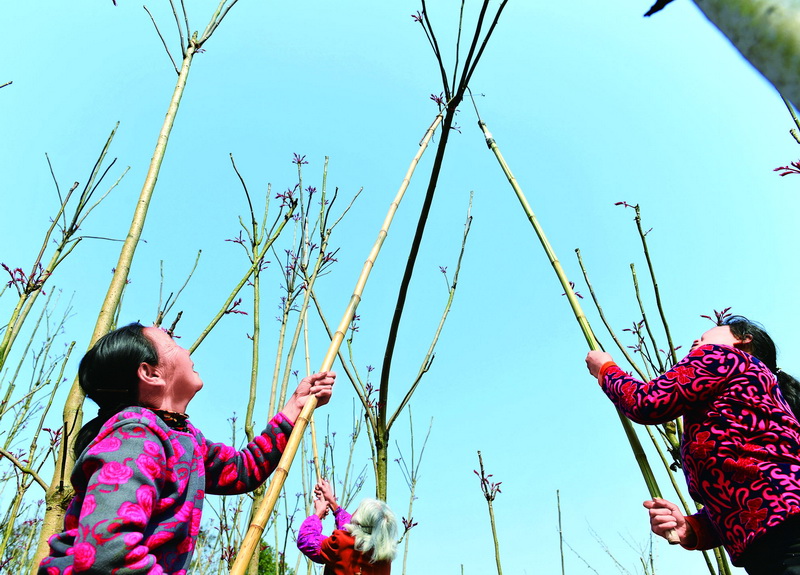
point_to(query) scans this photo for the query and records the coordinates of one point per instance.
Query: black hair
(108, 376)
(762, 347)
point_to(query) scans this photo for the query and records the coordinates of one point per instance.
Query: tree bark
(766, 33)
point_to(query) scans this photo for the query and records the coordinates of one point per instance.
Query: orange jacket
(341, 557)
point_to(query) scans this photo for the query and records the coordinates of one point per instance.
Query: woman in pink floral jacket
(143, 469)
(740, 447)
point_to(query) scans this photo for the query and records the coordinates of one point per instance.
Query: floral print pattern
(741, 442)
(139, 491)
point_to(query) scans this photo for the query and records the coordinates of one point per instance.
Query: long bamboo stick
(312, 424)
(262, 514)
(627, 425)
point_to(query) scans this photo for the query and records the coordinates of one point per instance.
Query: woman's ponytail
(762, 347)
(790, 389)
(108, 375)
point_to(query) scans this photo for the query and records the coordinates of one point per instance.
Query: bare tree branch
(22, 467)
(164, 42)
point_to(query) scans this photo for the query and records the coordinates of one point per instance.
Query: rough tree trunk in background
(766, 33)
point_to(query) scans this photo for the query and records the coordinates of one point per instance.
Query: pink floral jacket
(741, 443)
(139, 490)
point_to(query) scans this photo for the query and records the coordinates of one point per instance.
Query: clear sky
(590, 103)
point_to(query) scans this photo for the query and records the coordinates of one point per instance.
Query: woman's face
(720, 335)
(175, 365)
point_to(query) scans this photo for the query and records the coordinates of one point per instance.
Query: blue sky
(590, 103)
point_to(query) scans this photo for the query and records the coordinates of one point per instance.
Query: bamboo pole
(627, 425)
(253, 536)
(314, 449)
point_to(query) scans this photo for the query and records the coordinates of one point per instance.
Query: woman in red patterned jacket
(142, 469)
(740, 448)
(362, 544)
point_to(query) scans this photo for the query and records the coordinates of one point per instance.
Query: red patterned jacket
(740, 446)
(139, 490)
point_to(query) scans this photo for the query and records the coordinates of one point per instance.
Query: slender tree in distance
(60, 493)
(262, 514)
(454, 89)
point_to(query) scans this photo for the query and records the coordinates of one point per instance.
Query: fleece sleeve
(229, 471)
(310, 538)
(342, 517)
(692, 382)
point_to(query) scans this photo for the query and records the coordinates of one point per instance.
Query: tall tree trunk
(766, 33)
(60, 492)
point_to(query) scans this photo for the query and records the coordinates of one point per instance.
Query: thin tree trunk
(60, 493)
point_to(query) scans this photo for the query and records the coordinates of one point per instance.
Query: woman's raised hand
(665, 516)
(320, 507)
(324, 491)
(595, 359)
(320, 385)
